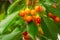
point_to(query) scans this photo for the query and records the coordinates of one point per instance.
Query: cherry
(22, 13)
(33, 12)
(37, 20)
(27, 37)
(38, 8)
(57, 19)
(51, 15)
(27, 11)
(54, 5)
(34, 18)
(25, 33)
(28, 18)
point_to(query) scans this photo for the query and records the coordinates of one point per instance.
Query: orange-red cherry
(38, 8)
(57, 19)
(27, 11)
(22, 13)
(28, 18)
(25, 33)
(33, 12)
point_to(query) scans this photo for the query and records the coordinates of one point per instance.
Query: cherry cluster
(29, 15)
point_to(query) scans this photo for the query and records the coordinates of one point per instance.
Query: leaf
(42, 37)
(32, 29)
(10, 9)
(50, 28)
(55, 11)
(20, 21)
(7, 22)
(16, 6)
(2, 16)
(16, 34)
(11, 35)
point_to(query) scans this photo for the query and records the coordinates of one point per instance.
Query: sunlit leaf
(11, 35)
(7, 22)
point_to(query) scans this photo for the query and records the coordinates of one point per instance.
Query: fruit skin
(22, 13)
(28, 18)
(38, 8)
(33, 12)
(37, 20)
(27, 11)
(51, 15)
(25, 33)
(26, 36)
(54, 5)
(57, 19)
(34, 18)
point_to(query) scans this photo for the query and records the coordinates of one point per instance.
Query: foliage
(12, 24)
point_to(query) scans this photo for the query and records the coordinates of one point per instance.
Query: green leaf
(10, 9)
(50, 28)
(7, 22)
(2, 16)
(42, 37)
(32, 29)
(20, 21)
(16, 6)
(11, 35)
